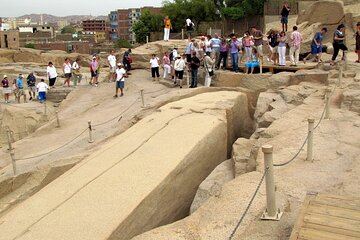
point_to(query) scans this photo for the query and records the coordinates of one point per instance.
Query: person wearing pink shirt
(296, 40)
(166, 65)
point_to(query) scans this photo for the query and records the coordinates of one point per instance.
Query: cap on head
(5, 76)
(20, 75)
(119, 64)
(93, 57)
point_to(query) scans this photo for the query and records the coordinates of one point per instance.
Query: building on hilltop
(98, 28)
(123, 20)
(9, 39)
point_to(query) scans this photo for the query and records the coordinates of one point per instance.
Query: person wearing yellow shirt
(167, 27)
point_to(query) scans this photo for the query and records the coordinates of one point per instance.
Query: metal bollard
(147, 41)
(90, 133)
(182, 34)
(261, 65)
(13, 161)
(327, 99)
(8, 135)
(57, 119)
(271, 213)
(142, 97)
(310, 153)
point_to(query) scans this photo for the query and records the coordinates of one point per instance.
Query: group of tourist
(18, 88)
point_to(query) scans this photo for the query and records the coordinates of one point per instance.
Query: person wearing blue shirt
(20, 88)
(215, 43)
(253, 63)
(316, 45)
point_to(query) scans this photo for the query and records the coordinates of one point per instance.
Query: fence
(273, 7)
(90, 128)
(271, 213)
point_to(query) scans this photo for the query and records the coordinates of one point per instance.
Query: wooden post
(142, 97)
(90, 133)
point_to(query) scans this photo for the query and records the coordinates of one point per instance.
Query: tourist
(282, 49)
(189, 27)
(166, 65)
(258, 42)
(273, 46)
(167, 27)
(51, 74)
(253, 63)
(120, 80)
(98, 70)
(77, 72)
(179, 67)
(154, 67)
(67, 71)
(20, 88)
(215, 47)
(296, 40)
(42, 88)
(14, 88)
(174, 54)
(284, 16)
(202, 45)
(208, 45)
(94, 71)
(6, 89)
(357, 42)
(127, 60)
(189, 50)
(209, 71)
(316, 45)
(234, 52)
(112, 65)
(338, 43)
(224, 49)
(31, 81)
(246, 41)
(194, 65)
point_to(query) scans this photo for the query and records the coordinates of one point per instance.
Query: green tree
(121, 43)
(237, 9)
(30, 45)
(197, 10)
(68, 29)
(148, 22)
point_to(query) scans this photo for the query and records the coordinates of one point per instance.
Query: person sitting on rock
(254, 62)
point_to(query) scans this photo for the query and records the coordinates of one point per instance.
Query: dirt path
(109, 116)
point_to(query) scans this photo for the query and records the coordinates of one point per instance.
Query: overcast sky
(15, 8)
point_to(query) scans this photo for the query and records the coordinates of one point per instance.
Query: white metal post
(261, 65)
(310, 153)
(182, 34)
(147, 41)
(327, 99)
(90, 133)
(271, 213)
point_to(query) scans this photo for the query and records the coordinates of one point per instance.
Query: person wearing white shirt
(112, 66)
(154, 65)
(179, 67)
(120, 75)
(189, 27)
(42, 88)
(67, 71)
(52, 74)
(77, 73)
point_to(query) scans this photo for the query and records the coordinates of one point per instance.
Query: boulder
(357, 77)
(326, 12)
(268, 118)
(351, 100)
(212, 185)
(263, 103)
(314, 75)
(296, 94)
(279, 80)
(244, 156)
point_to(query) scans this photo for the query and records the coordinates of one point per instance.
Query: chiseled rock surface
(351, 100)
(326, 11)
(314, 75)
(263, 103)
(212, 185)
(143, 178)
(255, 82)
(244, 156)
